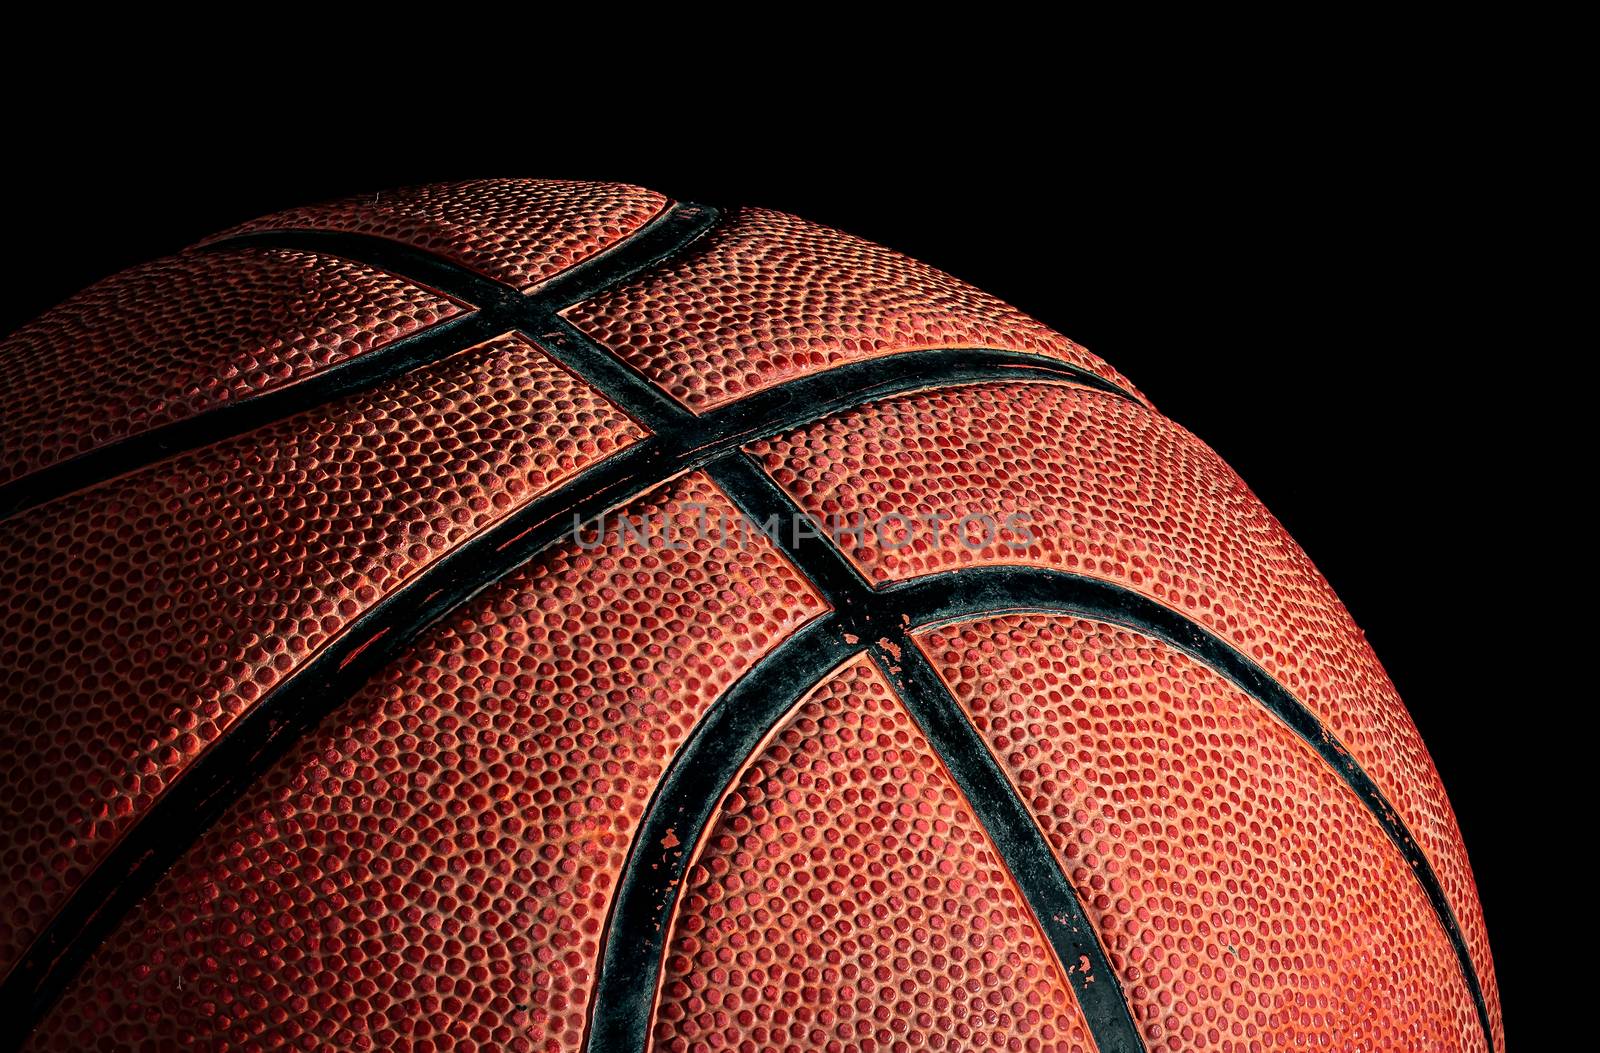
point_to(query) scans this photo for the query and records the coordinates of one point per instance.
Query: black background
(1328, 301)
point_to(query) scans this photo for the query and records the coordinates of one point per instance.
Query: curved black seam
(952, 597)
(973, 592)
(873, 616)
(537, 314)
(499, 308)
(648, 403)
(197, 798)
(418, 266)
(358, 373)
(676, 234)
(681, 441)
(1020, 843)
(694, 784)
(665, 236)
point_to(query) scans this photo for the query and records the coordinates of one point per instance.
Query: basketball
(544, 616)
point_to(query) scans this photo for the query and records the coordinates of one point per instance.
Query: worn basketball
(538, 615)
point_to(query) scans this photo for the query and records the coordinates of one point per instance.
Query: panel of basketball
(344, 710)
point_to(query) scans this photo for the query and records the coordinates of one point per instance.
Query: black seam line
(1019, 842)
(682, 441)
(358, 373)
(647, 892)
(536, 314)
(665, 236)
(200, 794)
(500, 308)
(681, 808)
(961, 595)
(198, 797)
(873, 616)
(418, 266)
(945, 367)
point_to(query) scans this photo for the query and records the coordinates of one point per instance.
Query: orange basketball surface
(539, 615)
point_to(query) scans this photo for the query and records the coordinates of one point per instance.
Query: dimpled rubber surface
(139, 619)
(431, 869)
(1114, 491)
(844, 898)
(434, 865)
(1247, 899)
(519, 231)
(169, 339)
(768, 298)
